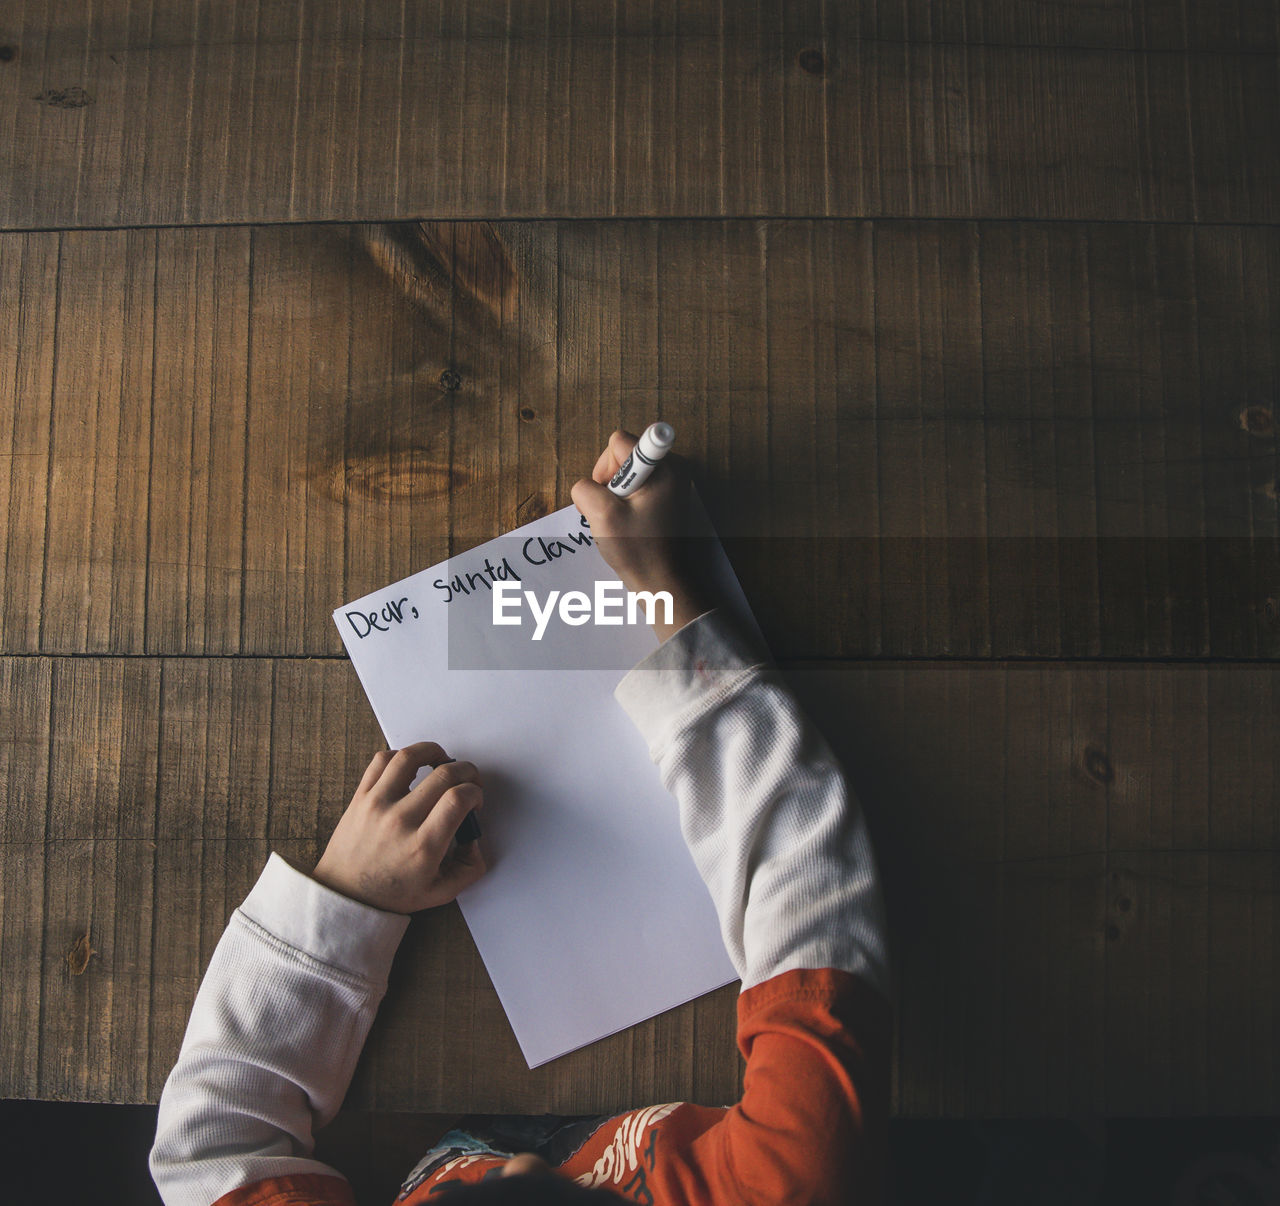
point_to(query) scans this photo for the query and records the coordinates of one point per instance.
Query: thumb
(465, 868)
(593, 500)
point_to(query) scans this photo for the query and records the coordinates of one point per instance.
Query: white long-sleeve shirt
(291, 992)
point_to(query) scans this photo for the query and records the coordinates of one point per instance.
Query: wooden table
(968, 316)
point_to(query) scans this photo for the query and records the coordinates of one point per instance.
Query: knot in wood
(1258, 420)
(450, 380)
(812, 61)
(78, 955)
(1098, 765)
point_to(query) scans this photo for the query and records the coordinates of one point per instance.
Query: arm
(280, 1019)
(764, 806)
(291, 992)
(777, 836)
(782, 846)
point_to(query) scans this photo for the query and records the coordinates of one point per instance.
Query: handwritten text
(365, 622)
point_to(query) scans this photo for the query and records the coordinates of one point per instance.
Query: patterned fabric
(492, 1139)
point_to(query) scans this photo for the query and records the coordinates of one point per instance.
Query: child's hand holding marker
(391, 849)
(639, 534)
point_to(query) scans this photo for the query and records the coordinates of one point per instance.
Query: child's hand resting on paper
(640, 536)
(391, 847)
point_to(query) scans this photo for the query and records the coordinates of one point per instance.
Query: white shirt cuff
(333, 929)
(690, 669)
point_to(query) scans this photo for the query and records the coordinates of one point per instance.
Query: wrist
(689, 597)
(323, 921)
(687, 604)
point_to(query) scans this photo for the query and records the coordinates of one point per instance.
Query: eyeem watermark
(576, 607)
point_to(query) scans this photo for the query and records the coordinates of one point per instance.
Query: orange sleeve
(812, 1123)
(302, 1189)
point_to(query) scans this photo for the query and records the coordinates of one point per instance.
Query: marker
(650, 448)
(469, 830)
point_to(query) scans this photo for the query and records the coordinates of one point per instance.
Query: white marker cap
(656, 440)
(651, 447)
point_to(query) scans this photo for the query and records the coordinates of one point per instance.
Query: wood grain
(918, 439)
(193, 113)
(26, 685)
(1080, 861)
(965, 313)
(1065, 847)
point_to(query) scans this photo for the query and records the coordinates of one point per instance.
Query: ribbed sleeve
(278, 1023)
(775, 832)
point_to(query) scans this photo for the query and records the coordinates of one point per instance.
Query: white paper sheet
(592, 916)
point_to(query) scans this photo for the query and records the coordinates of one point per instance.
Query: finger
(420, 802)
(462, 871)
(405, 764)
(618, 450)
(374, 771)
(450, 810)
(604, 468)
(591, 498)
(621, 442)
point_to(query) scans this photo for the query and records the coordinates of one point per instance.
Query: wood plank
(1118, 111)
(215, 753)
(1157, 24)
(96, 970)
(286, 436)
(28, 334)
(22, 937)
(98, 856)
(395, 446)
(480, 409)
(1252, 467)
(1016, 440)
(1116, 24)
(196, 560)
(94, 573)
(24, 773)
(1080, 861)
